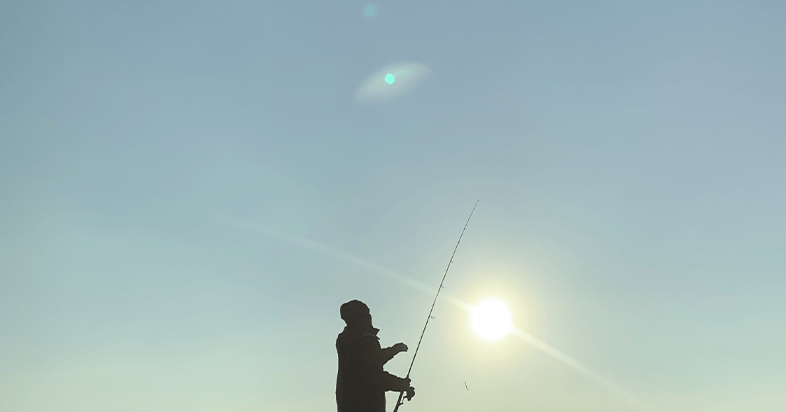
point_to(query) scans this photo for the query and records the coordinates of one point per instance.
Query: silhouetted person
(361, 381)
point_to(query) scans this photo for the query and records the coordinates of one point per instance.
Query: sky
(190, 190)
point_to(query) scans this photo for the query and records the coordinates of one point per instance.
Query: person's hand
(400, 347)
(410, 393)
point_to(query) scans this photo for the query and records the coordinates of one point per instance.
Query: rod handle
(399, 402)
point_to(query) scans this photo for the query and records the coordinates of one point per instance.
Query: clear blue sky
(189, 190)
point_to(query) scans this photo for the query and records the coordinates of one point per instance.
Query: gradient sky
(189, 191)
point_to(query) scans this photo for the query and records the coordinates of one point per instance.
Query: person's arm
(388, 353)
(372, 359)
(391, 382)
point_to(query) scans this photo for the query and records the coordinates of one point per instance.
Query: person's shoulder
(369, 339)
(344, 339)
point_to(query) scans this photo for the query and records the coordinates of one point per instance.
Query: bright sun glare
(491, 319)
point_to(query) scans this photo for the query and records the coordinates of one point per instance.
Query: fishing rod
(400, 401)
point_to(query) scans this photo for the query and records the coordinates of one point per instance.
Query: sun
(491, 319)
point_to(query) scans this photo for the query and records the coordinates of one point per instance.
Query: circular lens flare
(491, 319)
(370, 10)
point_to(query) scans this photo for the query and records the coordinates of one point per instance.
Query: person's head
(356, 313)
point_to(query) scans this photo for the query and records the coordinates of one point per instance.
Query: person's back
(361, 381)
(356, 386)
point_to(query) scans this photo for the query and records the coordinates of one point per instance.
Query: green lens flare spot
(370, 10)
(389, 78)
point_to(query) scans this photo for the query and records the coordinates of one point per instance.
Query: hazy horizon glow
(492, 310)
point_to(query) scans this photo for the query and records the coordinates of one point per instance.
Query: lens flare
(370, 10)
(391, 82)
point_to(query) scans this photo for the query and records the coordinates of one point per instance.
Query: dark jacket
(361, 381)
